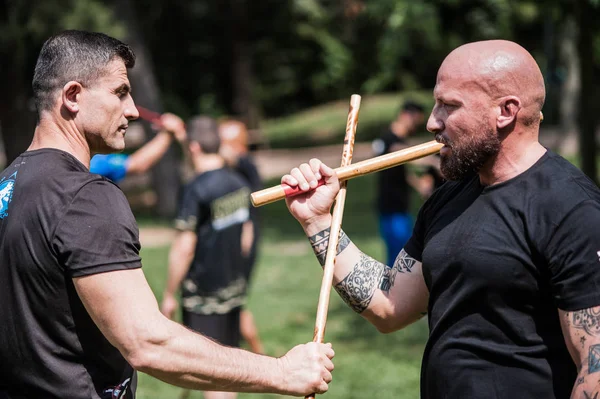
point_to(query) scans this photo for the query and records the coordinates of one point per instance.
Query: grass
(325, 124)
(283, 298)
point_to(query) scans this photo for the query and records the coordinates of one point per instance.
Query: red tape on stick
(293, 191)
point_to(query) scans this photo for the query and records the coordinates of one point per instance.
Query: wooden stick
(348, 172)
(336, 225)
(150, 116)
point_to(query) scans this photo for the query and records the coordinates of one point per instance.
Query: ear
(195, 148)
(71, 95)
(509, 108)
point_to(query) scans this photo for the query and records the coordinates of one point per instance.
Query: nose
(434, 123)
(131, 112)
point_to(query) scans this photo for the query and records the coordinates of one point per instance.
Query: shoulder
(558, 186)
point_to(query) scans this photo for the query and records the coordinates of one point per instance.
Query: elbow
(387, 327)
(389, 323)
(144, 352)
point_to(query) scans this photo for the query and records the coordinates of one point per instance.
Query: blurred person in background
(208, 258)
(234, 148)
(117, 166)
(394, 185)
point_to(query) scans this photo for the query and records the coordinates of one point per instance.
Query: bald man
(500, 257)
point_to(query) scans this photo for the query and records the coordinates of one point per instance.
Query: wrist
(316, 224)
(276, 376)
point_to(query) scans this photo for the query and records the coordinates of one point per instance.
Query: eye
(450, 106)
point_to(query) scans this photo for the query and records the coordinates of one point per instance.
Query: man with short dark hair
(504, 256)
(76, 313)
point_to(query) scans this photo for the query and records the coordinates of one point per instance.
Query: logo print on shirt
(119, 391)
(6, 191)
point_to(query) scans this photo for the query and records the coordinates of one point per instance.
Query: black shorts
(223, 328)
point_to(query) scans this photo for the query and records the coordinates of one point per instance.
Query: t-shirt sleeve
(98, 232)
(574, 258)
(112, 166)
(189, 210)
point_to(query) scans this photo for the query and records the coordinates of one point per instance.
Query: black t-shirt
(215, 206)
(499, 261)
(57, 222)
(393, 191)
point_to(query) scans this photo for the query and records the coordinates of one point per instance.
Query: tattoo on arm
(320, 241)
(587, 320)
(403, 263)
(594, 359)
(358, 287)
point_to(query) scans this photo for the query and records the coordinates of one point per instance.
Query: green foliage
(326, 123)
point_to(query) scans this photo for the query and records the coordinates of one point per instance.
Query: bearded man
(503, 257)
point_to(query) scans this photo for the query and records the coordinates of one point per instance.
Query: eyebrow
(124, 88)
(451, 97)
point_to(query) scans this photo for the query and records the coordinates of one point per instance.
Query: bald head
(499, 68)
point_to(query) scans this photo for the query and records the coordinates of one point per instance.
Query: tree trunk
(165, 175)
(571, 87)
(244, 102)
(588, 106)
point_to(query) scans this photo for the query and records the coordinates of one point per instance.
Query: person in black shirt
(208, 258)
(76, 313)
(504, 257)
(234, 148)
(394, 184)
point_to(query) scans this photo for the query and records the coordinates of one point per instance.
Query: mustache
(440, 138)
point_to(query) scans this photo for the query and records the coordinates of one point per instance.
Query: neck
(518, 153)
(207, 162)
(52, 132)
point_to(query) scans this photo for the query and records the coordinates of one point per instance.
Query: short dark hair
(74, 55)
(413, 107)
(204, 130)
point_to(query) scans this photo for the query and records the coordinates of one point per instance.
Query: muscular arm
(389, 297)
(125, 310)
(581, 329)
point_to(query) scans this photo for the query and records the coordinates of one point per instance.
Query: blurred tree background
(272, 58)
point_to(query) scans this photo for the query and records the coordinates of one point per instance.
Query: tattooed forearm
(358, 287)
(587, 320)
(404, 263)
(320, 241)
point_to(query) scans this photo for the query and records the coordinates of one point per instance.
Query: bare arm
(389, 297)
(150, 153)
(581, 330)
(247, 237)
(125, 310)
(180, 259)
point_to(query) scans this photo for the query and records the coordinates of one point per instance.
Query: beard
(468, 154)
